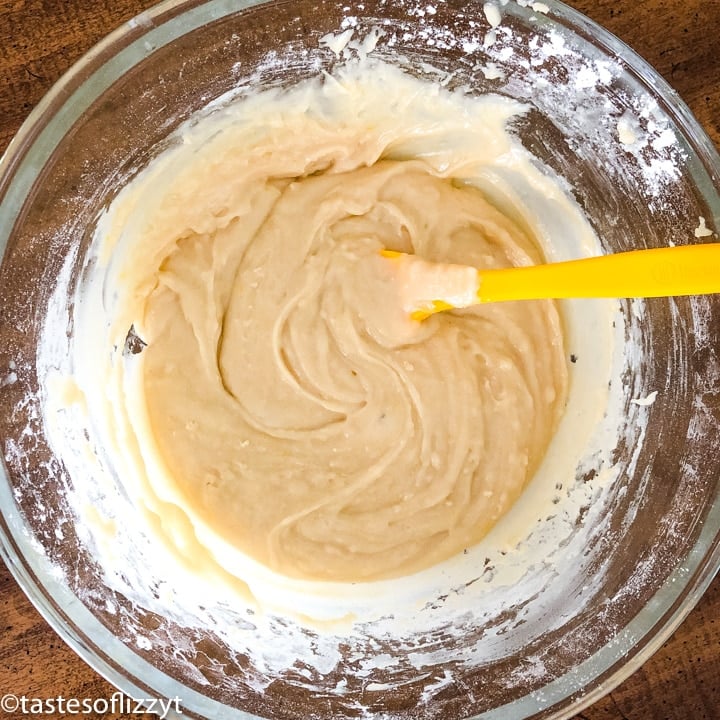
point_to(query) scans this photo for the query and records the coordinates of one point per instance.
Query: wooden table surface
(40, 39)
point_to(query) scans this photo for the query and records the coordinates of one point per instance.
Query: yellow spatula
(428, 287)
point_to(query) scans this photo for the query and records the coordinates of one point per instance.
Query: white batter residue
(647, 400)
(702, 230)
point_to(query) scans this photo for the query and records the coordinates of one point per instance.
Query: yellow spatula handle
(658, 272)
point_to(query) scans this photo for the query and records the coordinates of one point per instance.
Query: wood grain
(40, 39)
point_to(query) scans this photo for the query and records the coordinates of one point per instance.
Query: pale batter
(276, 408)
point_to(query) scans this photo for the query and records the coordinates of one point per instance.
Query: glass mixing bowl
(642, 547)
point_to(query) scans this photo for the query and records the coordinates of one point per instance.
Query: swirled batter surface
(277, 405)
